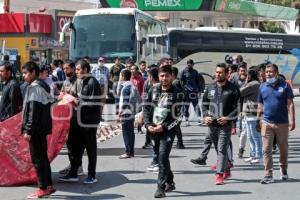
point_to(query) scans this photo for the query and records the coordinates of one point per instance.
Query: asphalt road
(129, 179)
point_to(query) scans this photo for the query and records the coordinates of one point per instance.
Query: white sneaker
(187, 123)
(256, 161)
(155, 169)
(80, 171)
(284, 176)
(249, 159)
(152, 167)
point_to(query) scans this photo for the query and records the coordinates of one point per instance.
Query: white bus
(117, 32)
(209, 46)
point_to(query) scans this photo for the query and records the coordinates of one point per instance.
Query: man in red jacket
(137, 79)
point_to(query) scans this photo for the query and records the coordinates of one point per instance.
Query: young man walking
(220, 109)
(161, 115)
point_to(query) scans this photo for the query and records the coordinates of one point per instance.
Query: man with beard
(220, 109)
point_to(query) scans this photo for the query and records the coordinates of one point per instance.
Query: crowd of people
(255, 103)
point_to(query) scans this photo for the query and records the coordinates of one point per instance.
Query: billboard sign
(157, 5)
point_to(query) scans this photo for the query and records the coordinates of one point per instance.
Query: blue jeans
(254, 138)
(127, 122)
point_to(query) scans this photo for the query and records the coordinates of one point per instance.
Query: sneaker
(275, 149)
(160, 193)
(249, 159)
(267, 180)
(80, 171)
(256, 161)
(226, 175)
(155, 169)
(241, 153)
(219, 180)
(147, 146)
(230, 164)
(65, 171)
(170, 187)
(187, 123)
(180, 146)
(284, 175)
(201, 123)
(124, 156)
(39, 193)
(51, 189)
(151, 167)
(90, 180)
(213, 167)
(199, 161)
(69, 178)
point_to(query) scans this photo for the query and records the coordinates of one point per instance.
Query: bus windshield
(103, 35)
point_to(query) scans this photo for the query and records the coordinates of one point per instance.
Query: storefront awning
(256, 9)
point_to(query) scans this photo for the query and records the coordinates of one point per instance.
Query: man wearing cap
(102, 74)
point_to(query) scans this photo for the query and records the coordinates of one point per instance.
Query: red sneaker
(51, 189)
(230, 165)
(39, 193)
(219, 180)
(226, 175)
(213, 167)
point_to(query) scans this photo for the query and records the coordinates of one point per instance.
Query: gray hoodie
(249, 92)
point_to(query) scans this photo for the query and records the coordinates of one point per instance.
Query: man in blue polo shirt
(277, 109)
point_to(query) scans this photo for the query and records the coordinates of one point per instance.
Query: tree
(287, 3)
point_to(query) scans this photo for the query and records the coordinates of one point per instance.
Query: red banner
(12, 23)
(39, 23)
(16, 167)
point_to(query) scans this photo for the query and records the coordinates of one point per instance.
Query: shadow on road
(209, 193)
(88, 197)
(106, 180)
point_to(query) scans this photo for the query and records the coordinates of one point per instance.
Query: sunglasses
(100, 60)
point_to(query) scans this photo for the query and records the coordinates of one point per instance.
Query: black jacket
(89, 102)
(221, 101)
(37, 109)
(174, 104)
(11, 100)
(190, 80)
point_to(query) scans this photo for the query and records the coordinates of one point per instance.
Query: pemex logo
(128, 4)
